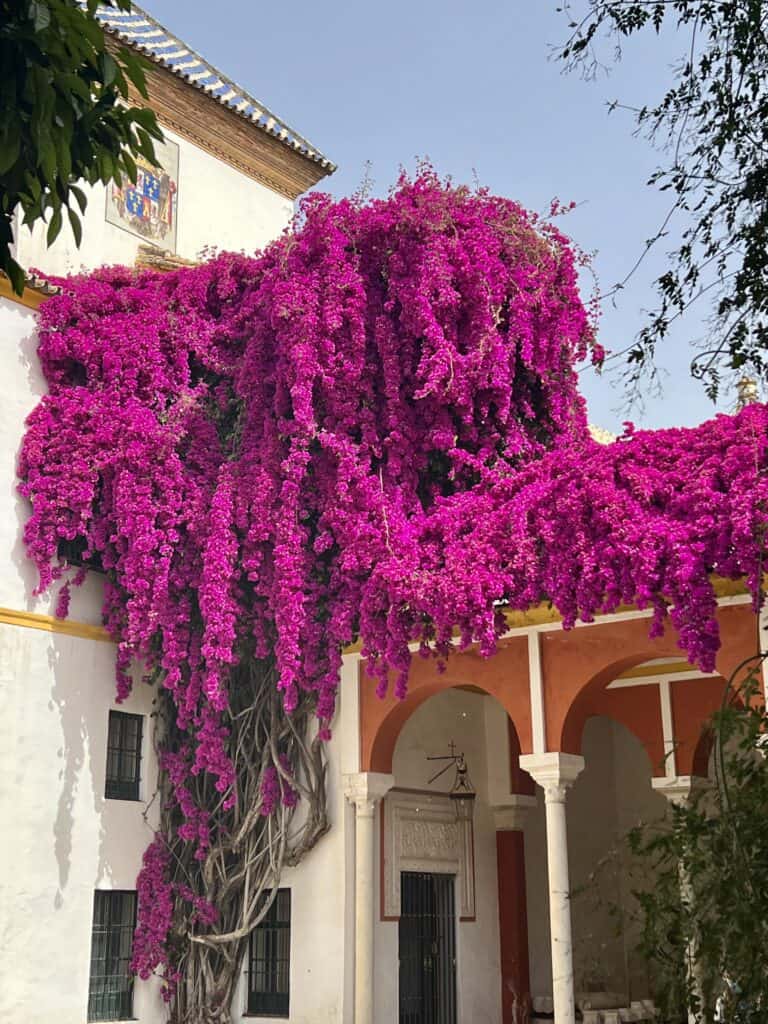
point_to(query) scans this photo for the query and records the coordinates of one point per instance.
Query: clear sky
(473, 87)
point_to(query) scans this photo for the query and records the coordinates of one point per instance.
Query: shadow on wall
(69, 694)
(26, 355)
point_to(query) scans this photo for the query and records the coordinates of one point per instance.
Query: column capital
(555, 772)
(365, 789)
(513, 813)
(678, 789)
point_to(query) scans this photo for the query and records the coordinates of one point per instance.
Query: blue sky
(472, 86)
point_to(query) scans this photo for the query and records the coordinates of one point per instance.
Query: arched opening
(504, 677)
(613, 794)
(475, 966)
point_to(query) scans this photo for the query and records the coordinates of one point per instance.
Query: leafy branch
(711, 125)
(64, 116)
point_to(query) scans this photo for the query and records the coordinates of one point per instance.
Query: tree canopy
(711, 126)
(64, 115)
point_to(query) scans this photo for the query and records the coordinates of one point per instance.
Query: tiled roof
(141, 31)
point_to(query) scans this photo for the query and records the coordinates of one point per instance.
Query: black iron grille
(110, 994)
(269, 960)
(123, 756)
(427, 936)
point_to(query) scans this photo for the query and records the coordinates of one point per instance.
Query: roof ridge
(142, 31)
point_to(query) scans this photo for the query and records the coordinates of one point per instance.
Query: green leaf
(77, 228)
(79, 195)
(130, 166)
(9, 152)
(134, 68)
(13, 270)
(108, 68)
(54, 227)
(48, 160)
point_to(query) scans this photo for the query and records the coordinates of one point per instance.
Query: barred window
(269, 960)
(123, 756)
(110, 993)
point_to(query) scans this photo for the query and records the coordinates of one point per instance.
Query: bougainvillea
(371, 429)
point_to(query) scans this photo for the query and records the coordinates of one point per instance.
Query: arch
(637, 709)
(701, 755)
(579, 664)
(503, 676)
(520, 782)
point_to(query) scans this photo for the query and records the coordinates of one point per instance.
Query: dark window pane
(74, 552)
(269, 959)
(110, 993)
(123, 756)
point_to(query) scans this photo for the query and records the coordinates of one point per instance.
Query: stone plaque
(420, 833)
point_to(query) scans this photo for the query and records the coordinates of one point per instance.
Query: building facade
(79, 770)
(413, 909)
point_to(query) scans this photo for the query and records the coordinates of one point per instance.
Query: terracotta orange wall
(584, 660)
(738, 631)
(504, 676)
(577, 665)
(513, 926)
(520, 782)
(636, 707)
(693, 702)
(581, 663)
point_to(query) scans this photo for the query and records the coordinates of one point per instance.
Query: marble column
(556, 772)
(364, 790)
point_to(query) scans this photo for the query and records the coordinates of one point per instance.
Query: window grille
(123, 756)
(269, 956)
(110, 993)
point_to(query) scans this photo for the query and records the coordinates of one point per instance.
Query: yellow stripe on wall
(540, 615)
(47, 623)
(30, 297)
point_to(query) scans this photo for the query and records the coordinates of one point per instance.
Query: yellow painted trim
(538, 616)
(30, 296)
(730, 588)
(47, 623)
(668, 668)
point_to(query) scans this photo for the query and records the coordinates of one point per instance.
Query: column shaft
(365, 790)
(555, 772)
(559, 907)
(365, 912)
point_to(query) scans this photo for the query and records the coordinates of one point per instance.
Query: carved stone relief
(421, 833)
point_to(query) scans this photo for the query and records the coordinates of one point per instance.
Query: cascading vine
(371, 429)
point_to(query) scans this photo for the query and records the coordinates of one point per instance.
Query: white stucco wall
(318, 908)
(217, 206)
(61, 838)
(21, 386)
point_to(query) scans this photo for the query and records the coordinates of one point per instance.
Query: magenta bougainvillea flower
(372, 429)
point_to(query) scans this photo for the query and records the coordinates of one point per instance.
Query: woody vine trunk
(278, 816)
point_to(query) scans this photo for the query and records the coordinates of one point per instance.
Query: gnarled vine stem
(252, 842)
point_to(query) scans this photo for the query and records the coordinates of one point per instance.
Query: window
(269, 959)
(110, 993)
(123, 756)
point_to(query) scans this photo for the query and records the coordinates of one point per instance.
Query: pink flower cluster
(371, 429)
(276, 787)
